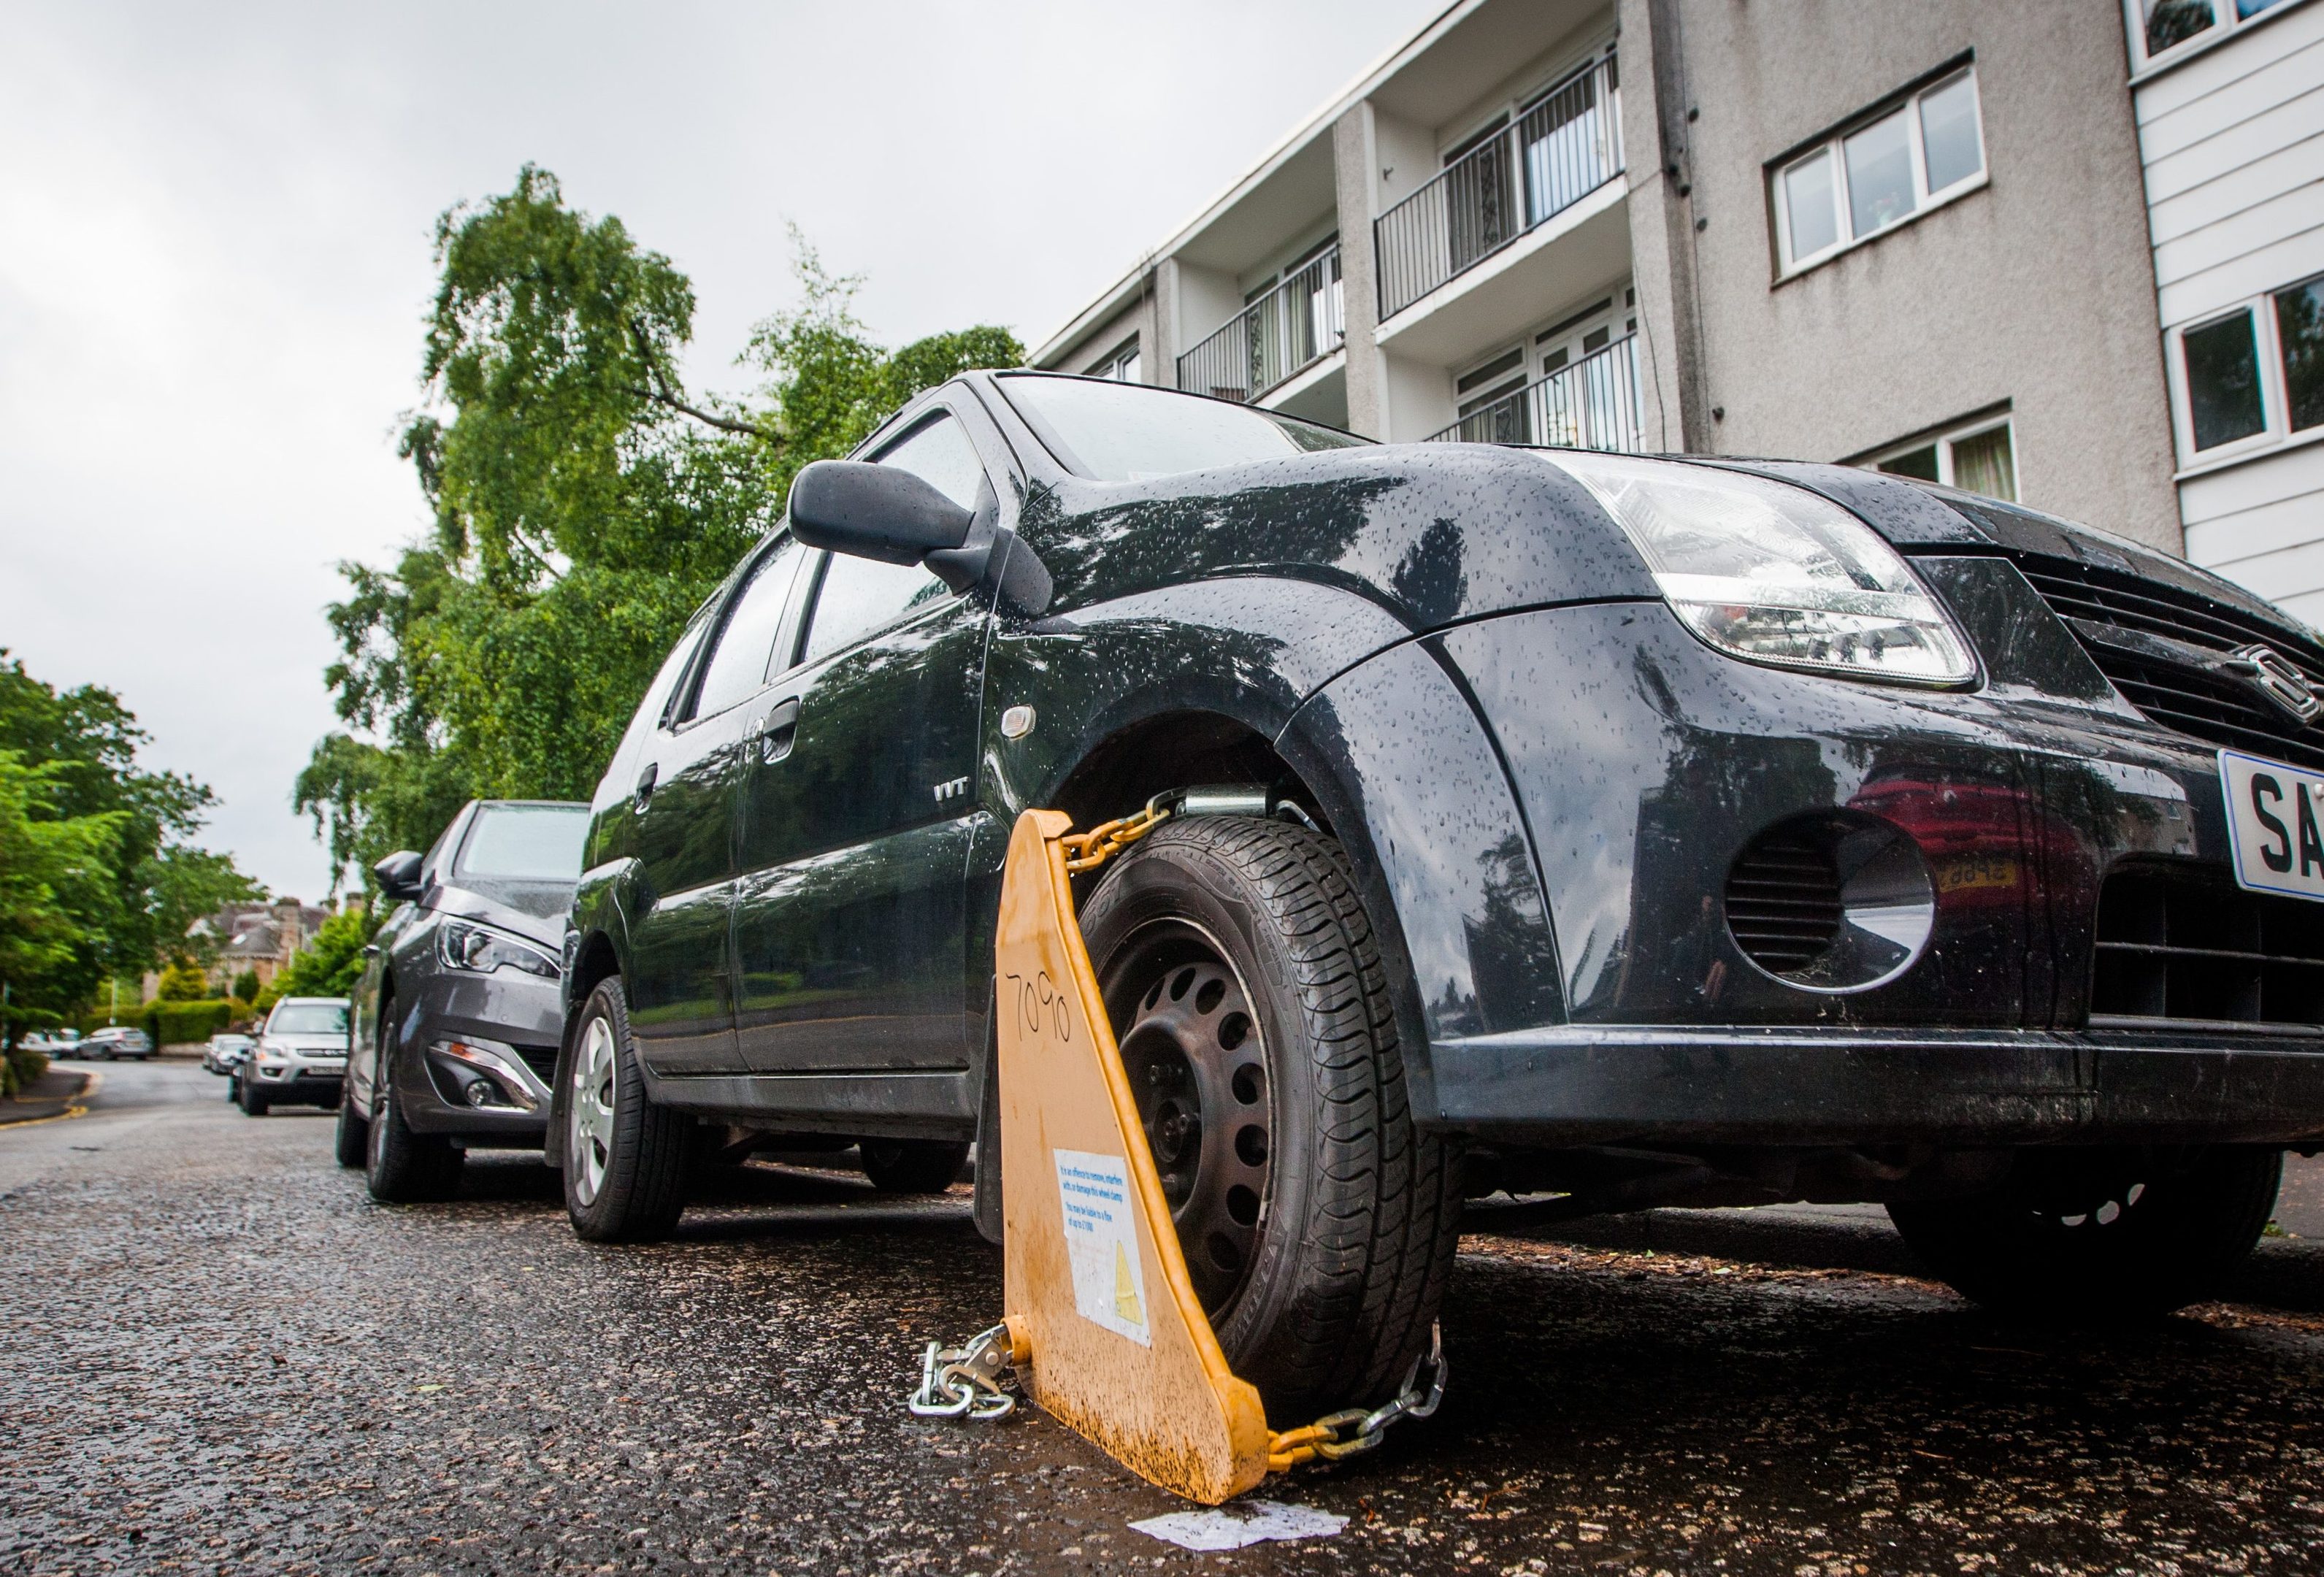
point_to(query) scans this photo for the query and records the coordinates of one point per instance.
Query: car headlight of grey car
(480, 950)
(1774, 573)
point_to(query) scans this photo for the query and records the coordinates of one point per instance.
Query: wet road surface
(217, 1355)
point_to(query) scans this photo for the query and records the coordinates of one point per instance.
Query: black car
(459, 1010)
(1619, 831)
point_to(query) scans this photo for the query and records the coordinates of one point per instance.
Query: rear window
(1130, 432)
(308, 1019)
(526, 843)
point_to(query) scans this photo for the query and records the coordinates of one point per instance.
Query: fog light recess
(1832, 902)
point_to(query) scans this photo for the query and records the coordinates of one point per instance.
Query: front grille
(541, 1060)
(1783, 900)
(2175, 946)
(2193, 699)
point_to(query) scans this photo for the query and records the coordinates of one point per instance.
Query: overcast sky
(214, 258)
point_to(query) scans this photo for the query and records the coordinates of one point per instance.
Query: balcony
(1273, 340)
(1566, 145)
(1592, 404)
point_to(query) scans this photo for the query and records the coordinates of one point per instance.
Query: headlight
(474, 948)
(1774, 573)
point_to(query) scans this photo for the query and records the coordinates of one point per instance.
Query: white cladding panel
(2233, 145)
(2261, 524)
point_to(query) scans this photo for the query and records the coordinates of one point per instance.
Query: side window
(859, 595)
(746, 640)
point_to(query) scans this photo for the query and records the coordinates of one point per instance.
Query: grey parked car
(459, 1012)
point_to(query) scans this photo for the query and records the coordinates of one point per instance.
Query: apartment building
(1908, 234)
(2229, 100)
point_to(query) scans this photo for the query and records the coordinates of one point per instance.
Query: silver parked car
(300, 1058)
(226, 1052)
(117, 1042)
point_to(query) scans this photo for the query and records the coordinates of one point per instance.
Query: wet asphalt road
(216, 1355)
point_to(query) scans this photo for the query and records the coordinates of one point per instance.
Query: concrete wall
(2036, 290)
(1138, 319)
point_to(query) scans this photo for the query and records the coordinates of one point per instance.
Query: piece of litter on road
(1250, 1522)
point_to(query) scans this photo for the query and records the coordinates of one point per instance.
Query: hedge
(179, 1023)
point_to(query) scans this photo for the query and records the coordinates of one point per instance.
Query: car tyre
(1246, 987)
(351, 1145)
(401, 1166)
(2084, 1237)
(253, 1103)
(910, 1165)
(625, 1159)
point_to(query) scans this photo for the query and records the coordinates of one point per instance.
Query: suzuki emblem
(2274, 675)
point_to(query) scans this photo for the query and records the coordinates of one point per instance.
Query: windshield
(308, 1019)
(1129, 432)
(526, 843)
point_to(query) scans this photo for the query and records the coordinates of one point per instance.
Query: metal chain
(964, 1381)
(1088, 851)
(1347, 1433)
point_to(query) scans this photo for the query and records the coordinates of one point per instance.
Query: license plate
(2275, 824)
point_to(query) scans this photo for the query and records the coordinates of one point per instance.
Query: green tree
(182, 982)
(56, 890)
(129, 906)
(584, 505)
(329, 966)
(245, 986)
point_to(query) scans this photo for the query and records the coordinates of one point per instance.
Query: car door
(681, 977)
(858, 808)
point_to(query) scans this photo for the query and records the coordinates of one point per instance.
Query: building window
(1978, 457)
(2255, 372)
(1925, 151)
(1121, 365)
(2157, 27)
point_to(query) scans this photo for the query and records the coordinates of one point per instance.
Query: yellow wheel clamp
(1104, 1327)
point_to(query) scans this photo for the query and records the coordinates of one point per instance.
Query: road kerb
(76, 1104)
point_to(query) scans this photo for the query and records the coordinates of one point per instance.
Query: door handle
(646, 783)
(778, 731)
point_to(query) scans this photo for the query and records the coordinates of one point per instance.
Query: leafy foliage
(98, 871)
(182, 983)
(329, 966)
(585, 505)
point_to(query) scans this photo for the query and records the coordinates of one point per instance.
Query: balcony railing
(1291, 327)
(1567, 146)
(1592, 404)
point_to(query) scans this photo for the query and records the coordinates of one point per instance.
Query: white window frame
(1924, 201)
(1110, 366)
(1944, 441)
(2275, 400)
(2226, 22)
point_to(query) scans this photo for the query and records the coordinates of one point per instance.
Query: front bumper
(1644, 764)
(1592, 1084)
(502, 1029)
(300, 1081)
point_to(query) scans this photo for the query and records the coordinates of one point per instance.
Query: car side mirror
(889, 514)
(398, 875)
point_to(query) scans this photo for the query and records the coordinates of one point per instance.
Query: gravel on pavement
(217, 1355)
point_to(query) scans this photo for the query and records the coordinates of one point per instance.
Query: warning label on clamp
(1101, 1242)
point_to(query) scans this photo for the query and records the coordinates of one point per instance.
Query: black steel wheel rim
(1197, 1067)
